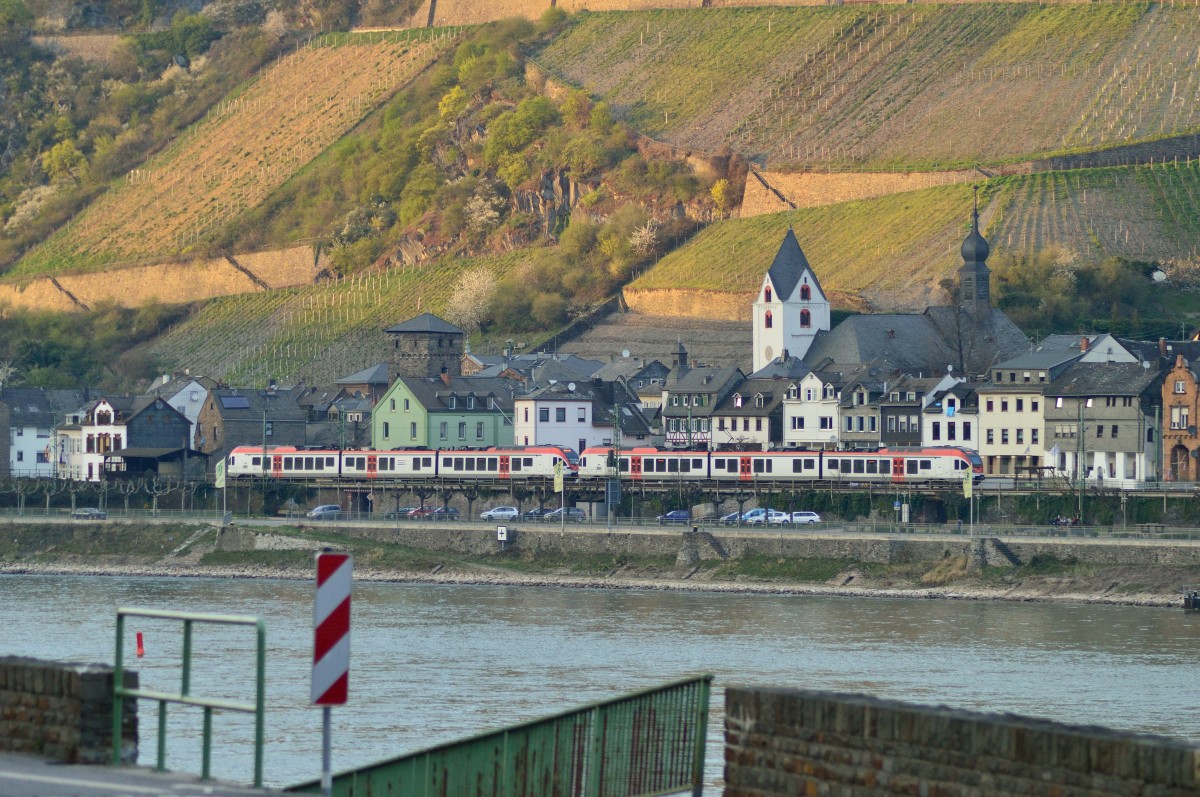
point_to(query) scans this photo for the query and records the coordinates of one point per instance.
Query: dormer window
(737, 400)
(470, 402)
(805, 293)
(453, 402)
(828, 391)
(767, 294)
(793, 391)
(759, 401)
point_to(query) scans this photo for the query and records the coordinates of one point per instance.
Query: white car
(806, 517)
(771, 517)
(499, 513)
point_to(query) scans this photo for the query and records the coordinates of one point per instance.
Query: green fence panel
(645, 743)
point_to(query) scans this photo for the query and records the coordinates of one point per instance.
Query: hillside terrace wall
(169, 283)
(794, 741)
(63, 710)
(472, 539)
(813, 189)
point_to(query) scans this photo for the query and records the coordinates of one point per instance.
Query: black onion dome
(975, 248)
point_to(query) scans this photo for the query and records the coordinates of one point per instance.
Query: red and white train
(916, 465)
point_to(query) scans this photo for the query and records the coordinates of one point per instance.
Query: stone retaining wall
(63, 711)
(474, 539)
(788, 742)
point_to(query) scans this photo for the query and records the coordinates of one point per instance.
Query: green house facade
(444, 412)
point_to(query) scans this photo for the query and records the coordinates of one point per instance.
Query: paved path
(30, 776)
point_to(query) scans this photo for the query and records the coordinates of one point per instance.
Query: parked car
(730, 520)
(770, 517)
(89, 513)
(435, 513)
(572, 513)
(499, 513)
(399, 513)
(325, 512)
(806, 517)
(537, 513)
(675, 516)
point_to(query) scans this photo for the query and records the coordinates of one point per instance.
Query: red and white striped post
(331, 646)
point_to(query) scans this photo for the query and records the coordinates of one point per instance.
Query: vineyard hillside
(245, 148)
(316, 333)
(893, 251)
(871, 87)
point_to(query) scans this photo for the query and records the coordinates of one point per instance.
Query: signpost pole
(331, 648)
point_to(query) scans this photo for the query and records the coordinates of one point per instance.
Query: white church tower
(790, 308)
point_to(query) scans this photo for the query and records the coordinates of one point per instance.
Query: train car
(520, 462)
(289, 462)
(885, 466)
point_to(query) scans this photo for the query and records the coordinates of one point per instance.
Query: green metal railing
(184, 695)
(645, 743)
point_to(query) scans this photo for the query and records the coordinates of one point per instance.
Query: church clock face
(769, 354)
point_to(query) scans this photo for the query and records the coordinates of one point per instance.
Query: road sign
(502, 533)
(558, 476)
(612, 492)
(331, 630)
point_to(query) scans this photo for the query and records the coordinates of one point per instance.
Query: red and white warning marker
(331, 624)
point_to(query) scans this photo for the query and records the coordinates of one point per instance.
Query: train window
(872, 466)
(911, 466)
(362, 463)
(832, 464)
(960, 465)
(428, 461)
(926, 464)
(624, 464)
(860, 466)
(329, 462)
(470, 463)
(698, 464)
(797, 466)
(287, 463)
(447, 462)
(255, 461)
(308, 463)
(528, 462)
(515, 464)
(673, 466)
(810, 463)
(493, 463)
(416, 463)
(458, 464)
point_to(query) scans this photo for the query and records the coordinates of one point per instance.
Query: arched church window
(769, 319)
(805, 319)
(767, 294)
(805, 293)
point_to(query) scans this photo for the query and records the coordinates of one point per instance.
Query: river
(432, 663)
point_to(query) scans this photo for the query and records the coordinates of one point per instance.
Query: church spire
(974, 275)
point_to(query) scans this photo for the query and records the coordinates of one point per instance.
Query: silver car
(499, 513)
(325, 512)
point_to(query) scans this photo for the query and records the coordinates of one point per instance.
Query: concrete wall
(812, 189)
(789, 742)
(714, 543)
(63, 711)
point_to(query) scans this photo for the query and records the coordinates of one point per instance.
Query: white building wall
(32, 452)
(575, 428)
(1013, 419)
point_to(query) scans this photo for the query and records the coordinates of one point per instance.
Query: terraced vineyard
(316, 333)
(1140, 213)
(872, 86)
(893, 251)
(241, 151)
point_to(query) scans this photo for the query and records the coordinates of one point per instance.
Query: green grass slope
(893, 251)
(316, 334)
(869, 86)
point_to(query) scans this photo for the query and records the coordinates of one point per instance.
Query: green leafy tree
(63, 161)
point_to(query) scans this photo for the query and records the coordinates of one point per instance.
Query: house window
(20, 456)
(805, 293)
(392, 403)
(1033, 405)
(797, 423)
(462, 430)
(453, 402)
(582, 415)
(1020, 405)
(872, 423)
(990, 437)
(768, 319)
(1099, 430)
(1004, 405)
(386, 432)
(1033, 436)
(737, 400)
(443, 430)
(1179, 386)
(1020, 437)
(543, 415)
(989, 405)
(950, 430)
(936, 431)
(966, 430)
(412, 431)
(560, 414)
(406, 405)
(479, 430)
(1004, 437)
(758, 425)
(849, 424)
(270, 428)
(470, 402)
(826, 421)
(1114, 430)
(721, 424)
(805, 319)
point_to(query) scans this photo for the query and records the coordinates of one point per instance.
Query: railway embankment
(832, 561)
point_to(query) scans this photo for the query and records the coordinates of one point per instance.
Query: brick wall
(63, 711)
(789, 742)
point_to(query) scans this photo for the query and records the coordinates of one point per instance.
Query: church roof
(789, 266)
(425, 322)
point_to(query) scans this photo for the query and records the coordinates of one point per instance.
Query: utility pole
(1081, 466)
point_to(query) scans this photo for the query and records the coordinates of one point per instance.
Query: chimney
(445, 377)
(1083, 344)
(1162, 347)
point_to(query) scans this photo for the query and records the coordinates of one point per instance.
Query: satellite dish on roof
(625, 353)
(571, 386)
(950, 368)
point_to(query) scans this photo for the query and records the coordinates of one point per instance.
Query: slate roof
(773, 391)
(28, 406)
(280, 407)
(375, 375)
(789, 266)
(1103, 379)
(790, 368)
(604, 396)
(434, 394)
(425, 323)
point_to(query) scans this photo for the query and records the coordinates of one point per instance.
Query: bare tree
(643, 239)
(6, 371)
(154, 488)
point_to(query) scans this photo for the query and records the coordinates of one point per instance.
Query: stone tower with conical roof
(790, 308)
(974, 277)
